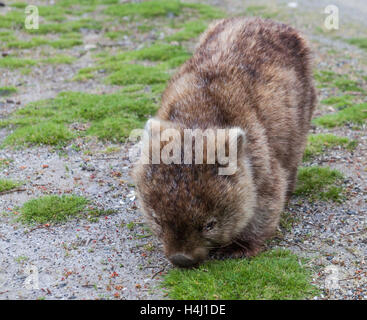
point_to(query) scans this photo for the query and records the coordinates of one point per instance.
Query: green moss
(6, 185)
(135, 73)
(189, 31)
(44, 133)
(5, 162)
(329, 79)
(319, 183)
(121, 72)
(156, 52)
(271, 275)
(59, 59)
(205, 11)
(359, 42)
(319, 143)
(113, 35)
(14, 19)
(67, 27)
(7, 91)
(19, 5)
(110, 117)
(85, 74)
(356, 114)
(49, 209)
(261, 11)
(13, 63)
(146, 9)
(345, 84)
(339, 102)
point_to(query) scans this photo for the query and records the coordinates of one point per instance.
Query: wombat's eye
(210, 225)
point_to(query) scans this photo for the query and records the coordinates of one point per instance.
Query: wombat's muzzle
(183, 261)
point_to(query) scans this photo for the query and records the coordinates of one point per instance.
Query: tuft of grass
(73, 26)
(205, 11)
(5, 162)
(339, 102)
(156, 52)
(44, 133)
(146, 9)
(189, 31)
(261, 11)
(52, 208)
(136, 73)
(113, 35)
(7, 91)
(110, 116)
(359, 42)
(356, 114)
(13, 63)
(6, 185)
(59, 59)
(319, 143)
(319, 183)
(122, 71)
(275, 275)
(329, 79)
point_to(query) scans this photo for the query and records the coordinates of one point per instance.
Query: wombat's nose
(182, 260)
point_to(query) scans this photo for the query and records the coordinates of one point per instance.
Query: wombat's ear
(154, 126)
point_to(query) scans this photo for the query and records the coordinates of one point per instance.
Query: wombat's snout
(182, 260)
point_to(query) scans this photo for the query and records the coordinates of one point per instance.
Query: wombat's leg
(237, 249)
(292, 180)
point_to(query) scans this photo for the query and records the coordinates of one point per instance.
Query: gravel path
(115, 257)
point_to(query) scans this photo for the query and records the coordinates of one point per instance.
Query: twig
(154, 275)
(12, 190)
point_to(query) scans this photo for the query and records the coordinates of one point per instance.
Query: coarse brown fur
(249, 73)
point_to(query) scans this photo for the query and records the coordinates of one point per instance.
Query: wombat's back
(251, 73)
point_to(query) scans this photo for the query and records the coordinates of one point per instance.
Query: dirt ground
(108, 260)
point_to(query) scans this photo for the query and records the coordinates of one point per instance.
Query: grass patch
(52, 208)
(146, 9)
(122, 71)
(359, 42)
(261, 11)
(189, 31)
(135, 73)
(6, 185)
(156, 52)
(205, 11)
(339, 102)
(319, 143)
(59, 59)
(67, 27)
(44, 133)
(357, 114)
(110, 116)
(7, 91)
(330, 79)
(14, 63)
(276, 274)
(5, 162)
(319, 183)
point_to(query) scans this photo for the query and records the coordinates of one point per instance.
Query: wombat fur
(246, 73)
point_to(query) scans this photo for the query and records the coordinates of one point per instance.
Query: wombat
(248, 74)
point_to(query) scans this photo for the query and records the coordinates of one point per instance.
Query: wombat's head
(189, 206)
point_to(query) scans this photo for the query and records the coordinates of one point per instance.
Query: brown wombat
(255, 76)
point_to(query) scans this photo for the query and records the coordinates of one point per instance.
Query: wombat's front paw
(234, 251)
